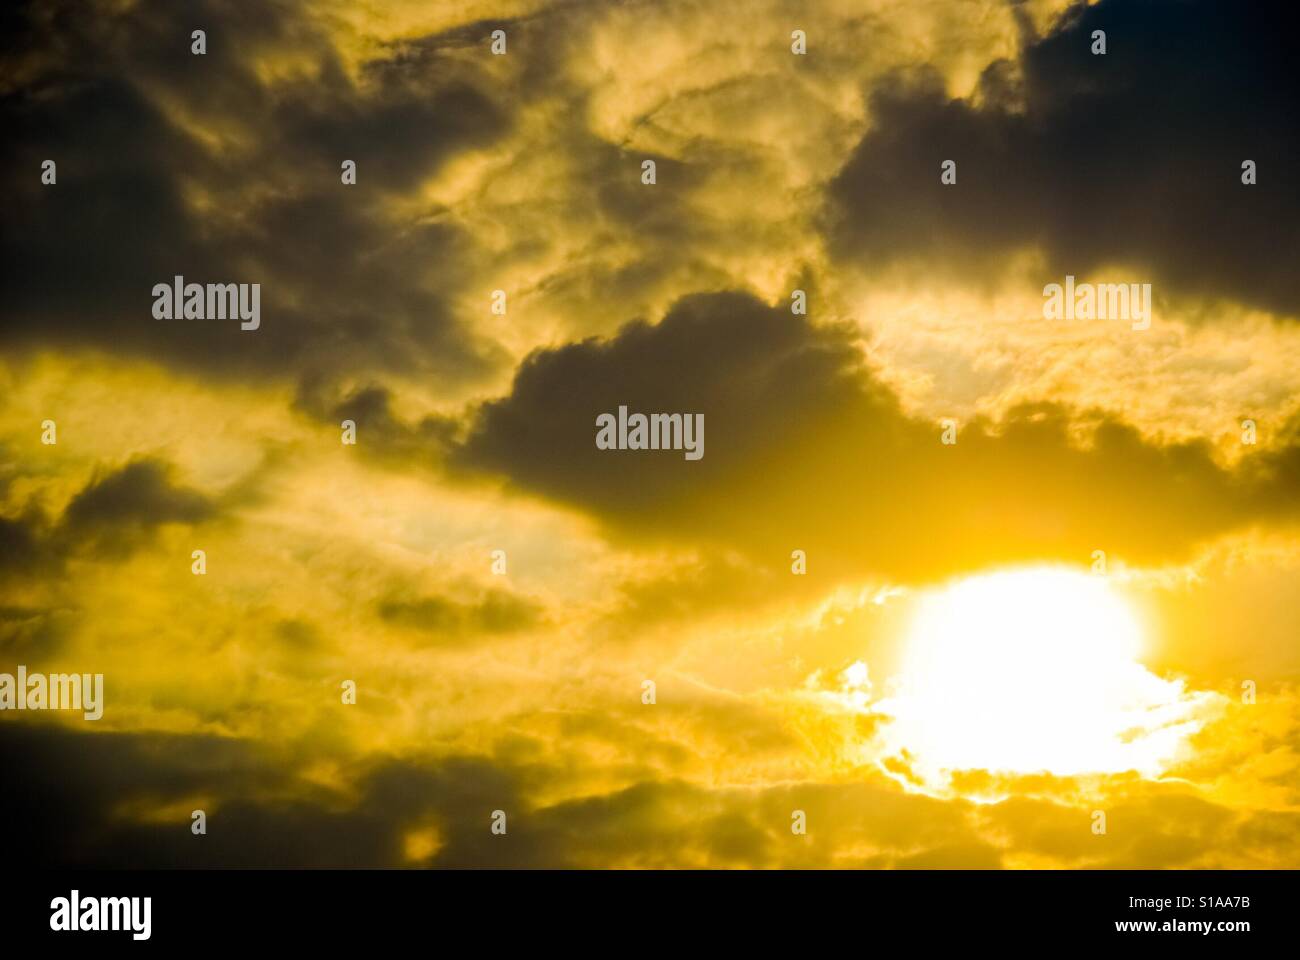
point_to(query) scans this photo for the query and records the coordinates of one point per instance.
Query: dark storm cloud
(1133, 157)
(139, 494)
(81, 794)
(1277, 473)
(387, 437)
(805, 449)
(118, 510)
(127, 112)
(77, 791)
(75, 788)
(19, 547)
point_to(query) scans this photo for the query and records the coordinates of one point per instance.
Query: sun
(1030, 671)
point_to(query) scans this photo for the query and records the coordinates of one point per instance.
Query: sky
(954, 584)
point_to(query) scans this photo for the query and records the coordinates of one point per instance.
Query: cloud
(144, 787)
(18, 544)
(387, 437)
(29, 632)
(1132, 158)
(448, 620)
(140, 493)
(805, 449)
(118, 510)
(108, 789)
(159, 175)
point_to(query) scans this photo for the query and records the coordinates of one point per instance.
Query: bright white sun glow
(1035, 671)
